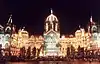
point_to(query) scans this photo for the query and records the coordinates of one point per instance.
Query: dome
(51, 17)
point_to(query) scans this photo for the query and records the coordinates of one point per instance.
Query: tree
(43, 46)
(68, 51)
(79, 48)
(0, 50)
(28, 52)
(34, 52)
(22, 52)
(72, 51)
(38, 52)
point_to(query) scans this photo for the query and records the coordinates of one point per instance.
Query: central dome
(51, 17)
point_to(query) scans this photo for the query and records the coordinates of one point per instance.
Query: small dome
(51, 17)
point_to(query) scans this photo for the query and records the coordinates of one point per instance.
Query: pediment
(51, 32)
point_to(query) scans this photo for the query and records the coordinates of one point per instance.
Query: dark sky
(32, 13)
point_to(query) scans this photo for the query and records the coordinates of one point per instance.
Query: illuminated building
(51, 35)
(49, 43)
(52, 38)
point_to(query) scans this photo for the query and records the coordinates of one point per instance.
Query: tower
(51, 35)
(92, 28)
(8, 31)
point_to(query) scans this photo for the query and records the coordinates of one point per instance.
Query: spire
(23, 28)
(10, 19)
(79, 26)
(51, 11)
(14, 29)
(91, 19)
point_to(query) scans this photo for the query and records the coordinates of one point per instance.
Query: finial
(51, 11)
(91, 19)
(79, 26)
(23, 27)
(10, 15)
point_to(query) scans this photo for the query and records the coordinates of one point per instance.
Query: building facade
(51, 42)
(51, 35)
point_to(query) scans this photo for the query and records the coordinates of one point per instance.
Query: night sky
(32, 13)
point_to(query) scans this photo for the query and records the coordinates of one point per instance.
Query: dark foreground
(54, 62)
